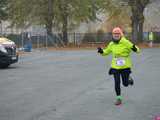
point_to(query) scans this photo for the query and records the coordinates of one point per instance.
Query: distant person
(151, 38)
(28, 45)
(121, 65)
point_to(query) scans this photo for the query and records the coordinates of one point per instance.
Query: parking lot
(75, 85)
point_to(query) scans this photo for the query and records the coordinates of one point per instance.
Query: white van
(8, 52)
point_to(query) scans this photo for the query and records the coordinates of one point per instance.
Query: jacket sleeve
(132, 46)
(107, 50)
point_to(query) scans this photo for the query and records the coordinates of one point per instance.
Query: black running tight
(120, 75)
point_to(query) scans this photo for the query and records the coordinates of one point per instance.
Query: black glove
(134, 48)
(100, 50)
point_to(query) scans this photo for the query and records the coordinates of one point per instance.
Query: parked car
(8, 52)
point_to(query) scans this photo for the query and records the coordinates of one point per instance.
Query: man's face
(116, 36)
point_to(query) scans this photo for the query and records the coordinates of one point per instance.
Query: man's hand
(100, 50)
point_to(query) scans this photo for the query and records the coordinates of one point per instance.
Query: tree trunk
(140, 33)
(135, 32)
(0, 27)
(65, 31)
(65, 22)
(49, 18)
(134, 28)
(137, 19)
(49, 28)
(141, 21)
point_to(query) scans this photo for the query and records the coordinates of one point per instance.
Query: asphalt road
(75, 85)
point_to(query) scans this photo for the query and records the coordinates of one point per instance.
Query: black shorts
(114, 71)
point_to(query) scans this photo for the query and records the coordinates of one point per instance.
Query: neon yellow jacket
(120, 53)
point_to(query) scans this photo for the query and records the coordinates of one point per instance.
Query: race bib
(120, 62)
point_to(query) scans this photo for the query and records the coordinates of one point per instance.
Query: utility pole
(1, 28)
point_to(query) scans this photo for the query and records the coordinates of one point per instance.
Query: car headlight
(3, 49)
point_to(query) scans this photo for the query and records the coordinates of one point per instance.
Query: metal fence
(44, 41)
(77, 39)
